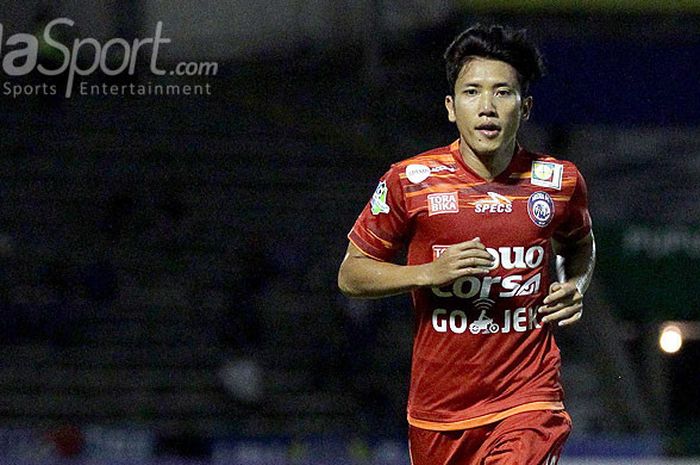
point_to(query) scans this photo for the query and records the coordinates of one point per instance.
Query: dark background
(168, 263)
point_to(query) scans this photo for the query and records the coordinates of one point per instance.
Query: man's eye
(503, 92)
(470, 91)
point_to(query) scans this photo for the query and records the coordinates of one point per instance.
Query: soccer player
(482, 220)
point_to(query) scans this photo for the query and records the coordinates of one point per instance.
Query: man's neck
(487, 165)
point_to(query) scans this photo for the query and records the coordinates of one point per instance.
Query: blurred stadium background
(168, 263)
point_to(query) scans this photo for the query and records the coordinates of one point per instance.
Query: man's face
(487, 105)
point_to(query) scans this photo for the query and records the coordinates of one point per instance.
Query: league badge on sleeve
(378, 201)
(540, 207)
(546, 174)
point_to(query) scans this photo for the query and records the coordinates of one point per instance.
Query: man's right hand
(361, 276)
(468, 258)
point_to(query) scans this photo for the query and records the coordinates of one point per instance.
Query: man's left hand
(563, 304)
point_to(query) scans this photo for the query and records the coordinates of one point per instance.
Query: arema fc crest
(540, 207)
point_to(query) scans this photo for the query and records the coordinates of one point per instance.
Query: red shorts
(529, 438)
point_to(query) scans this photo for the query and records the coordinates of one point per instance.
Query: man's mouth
(489, 130)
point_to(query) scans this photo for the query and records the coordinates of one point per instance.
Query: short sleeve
(380, 229)
(577, 223)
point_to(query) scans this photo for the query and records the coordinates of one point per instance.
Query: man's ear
(526, 108)
(450, 106)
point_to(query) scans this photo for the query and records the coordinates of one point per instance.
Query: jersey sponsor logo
(540, 207)
(378, 201)
(417, 173)
(510, 258)
(515, 285)
(483, 291)
(517, 258)
(456, 321)
(443, 202)
(439, 168)
(496, 203)
(468, 287)
(483, 325)
(438, 250)
(546, 174)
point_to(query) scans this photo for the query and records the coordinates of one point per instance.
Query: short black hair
(499, 43)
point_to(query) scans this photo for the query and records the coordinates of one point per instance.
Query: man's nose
(486, 106)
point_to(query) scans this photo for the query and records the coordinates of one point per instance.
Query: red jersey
(480, 353)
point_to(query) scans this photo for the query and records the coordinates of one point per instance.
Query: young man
(481, 219)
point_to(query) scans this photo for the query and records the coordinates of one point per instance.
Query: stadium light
(671, 339)
(673, 334)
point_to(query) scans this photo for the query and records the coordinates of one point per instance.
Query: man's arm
(364, 277)
(575, 264)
